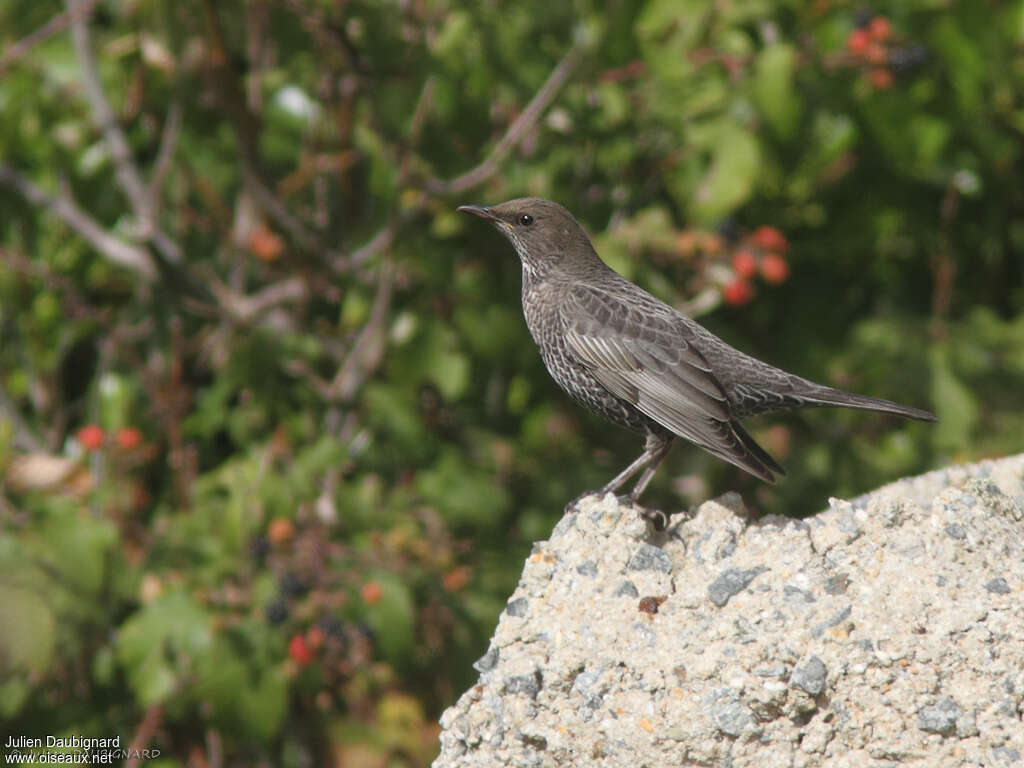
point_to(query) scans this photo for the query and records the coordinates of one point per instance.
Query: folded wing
(649, 360)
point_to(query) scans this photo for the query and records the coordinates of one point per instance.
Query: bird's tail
(822, 395)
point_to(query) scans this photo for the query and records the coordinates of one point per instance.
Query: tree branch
(366, 352)
(128, 176)
(368, 348)
(245, 309)
(163, 156)
(139, 195)
(527, 118)
(24, 438)
(144, 734)
(115, 250)
(54, 26)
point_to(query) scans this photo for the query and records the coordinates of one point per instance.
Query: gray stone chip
(526, 684)
(730, 583)
(626, 589)
(939, 718)
(488, 661)
(650, 558)
(810, 677)
(517, 607)
(998, 586)
(728, 711)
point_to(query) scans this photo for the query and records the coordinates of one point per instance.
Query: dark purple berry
(729, 230)
(332, 626)
(259, 546)
(293, 585)
(276, 612)
(904, 59)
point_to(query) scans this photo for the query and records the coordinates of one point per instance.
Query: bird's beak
(478, 210)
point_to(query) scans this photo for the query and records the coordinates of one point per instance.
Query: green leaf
(464, 493)
(392, 619)
(773, 88)
(153, 679)
(13, 693)
(26, 632)
(955, 406)
(668, 30)
(161, 641)
(832, 136)
(725, 179)
(242, 691)
(79, 547)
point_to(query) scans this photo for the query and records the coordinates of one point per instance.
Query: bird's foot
(657, 518)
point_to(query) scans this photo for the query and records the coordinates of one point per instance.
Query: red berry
(371, 592)
(315, 637)
(128, 438)
(744, 264)
(91, 437)
(738, 292)
(881, 78)
(456, 578)
(280, 530)
(857, 42)
(770, 239)
(879, 29)
(299, 651)
(876, 54)
(774, 268)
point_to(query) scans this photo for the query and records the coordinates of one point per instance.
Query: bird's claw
(657, 518)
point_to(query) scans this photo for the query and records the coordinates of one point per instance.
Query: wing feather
(649, 360)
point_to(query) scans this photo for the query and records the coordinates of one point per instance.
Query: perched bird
(638, 362)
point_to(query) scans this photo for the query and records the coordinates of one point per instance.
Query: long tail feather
(839, 398)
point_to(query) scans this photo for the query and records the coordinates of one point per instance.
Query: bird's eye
(526, 219)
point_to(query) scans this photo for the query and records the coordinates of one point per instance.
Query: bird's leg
(658, 448)
(619, 480)
(658, 456)
(654, 451)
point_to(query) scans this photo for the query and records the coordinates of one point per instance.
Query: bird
(640, 363)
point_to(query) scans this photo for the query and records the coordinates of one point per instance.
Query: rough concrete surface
(886, 631)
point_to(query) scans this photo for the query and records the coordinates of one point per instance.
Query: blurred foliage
(274, 439)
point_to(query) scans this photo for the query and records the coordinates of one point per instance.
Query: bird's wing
(649, 359)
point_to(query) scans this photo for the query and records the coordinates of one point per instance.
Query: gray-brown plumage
(637, 361)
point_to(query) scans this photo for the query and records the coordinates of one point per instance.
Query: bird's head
(545, 235)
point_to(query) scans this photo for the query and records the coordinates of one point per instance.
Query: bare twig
(366, 352)
(113, 249)
(128, 176)
(144, 734)
(276, 210)
(333, 37)
(139, 195)
(379, 242)
(74, 304)
(246, 127)
(168, 140)
(214, 749)
(368, 348)
(24, 438)
(246, 309)
(423, 105)
(540, 102)
(54, 26)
